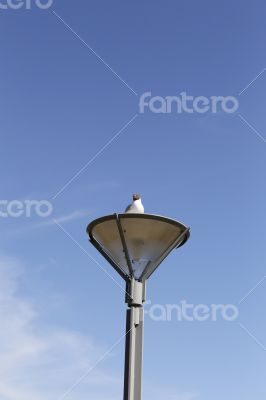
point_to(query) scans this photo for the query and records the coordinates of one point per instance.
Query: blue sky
(72, 76)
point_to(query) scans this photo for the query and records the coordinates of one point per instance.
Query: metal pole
(134, 342)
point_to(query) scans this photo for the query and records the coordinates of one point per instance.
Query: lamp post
(135, 245)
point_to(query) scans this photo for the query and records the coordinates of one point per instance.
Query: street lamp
(135, 245)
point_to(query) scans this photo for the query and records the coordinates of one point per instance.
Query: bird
(136, 207)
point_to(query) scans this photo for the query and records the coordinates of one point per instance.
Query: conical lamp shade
(135, 244)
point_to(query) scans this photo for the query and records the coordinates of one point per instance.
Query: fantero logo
(184, 103)
(25, 4)
(26, 208)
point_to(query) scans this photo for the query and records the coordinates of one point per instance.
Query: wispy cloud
(68, 217)
(39, 364)
(46, 223)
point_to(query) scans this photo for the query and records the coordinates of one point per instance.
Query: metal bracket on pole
(135, 293)
(134, 342)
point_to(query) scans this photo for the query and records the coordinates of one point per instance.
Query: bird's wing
(128, 208)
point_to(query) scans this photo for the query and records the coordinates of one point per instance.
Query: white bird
(136, 207)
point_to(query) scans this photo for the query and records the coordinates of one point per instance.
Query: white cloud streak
(39, 364)
(69, 217)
